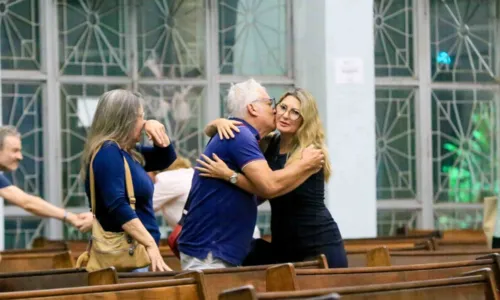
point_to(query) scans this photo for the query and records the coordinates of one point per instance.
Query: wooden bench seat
(185, 286)
(286, 278)
(475, 285)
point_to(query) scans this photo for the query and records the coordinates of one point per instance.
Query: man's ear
(252, 110)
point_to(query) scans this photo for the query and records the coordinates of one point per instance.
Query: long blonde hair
(114, 120)
(311, 131)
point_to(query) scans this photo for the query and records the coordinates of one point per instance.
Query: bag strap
(128, 182)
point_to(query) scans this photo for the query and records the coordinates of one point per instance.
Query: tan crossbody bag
(112, 249)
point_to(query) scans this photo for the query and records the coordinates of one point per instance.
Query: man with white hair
(217, 230)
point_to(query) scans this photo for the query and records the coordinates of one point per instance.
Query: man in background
(10, 157)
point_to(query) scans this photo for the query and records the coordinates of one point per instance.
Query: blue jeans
(141, 270)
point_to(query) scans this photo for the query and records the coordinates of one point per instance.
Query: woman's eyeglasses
(282, 109)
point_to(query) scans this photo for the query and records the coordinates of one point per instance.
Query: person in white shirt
(172, 187)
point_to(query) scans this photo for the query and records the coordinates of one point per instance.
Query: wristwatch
(234, 178)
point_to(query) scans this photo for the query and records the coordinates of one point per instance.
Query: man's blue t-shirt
(221, 217)
(4, 181)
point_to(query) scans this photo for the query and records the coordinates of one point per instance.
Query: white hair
(242, 94)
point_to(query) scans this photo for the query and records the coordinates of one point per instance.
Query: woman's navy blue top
(112, 203)
(300, 220)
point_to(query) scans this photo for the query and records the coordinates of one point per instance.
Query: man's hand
(85, 223)
(313, 159)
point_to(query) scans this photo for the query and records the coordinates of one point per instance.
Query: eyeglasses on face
(270, 101)
(293, 113)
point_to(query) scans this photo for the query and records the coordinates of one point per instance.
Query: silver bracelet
(65, 216)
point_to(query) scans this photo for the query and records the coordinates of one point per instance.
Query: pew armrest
(281, 278)
(246, 292)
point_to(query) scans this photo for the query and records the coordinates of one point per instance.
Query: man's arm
(36, 205)
(216, 168)
(287, 182)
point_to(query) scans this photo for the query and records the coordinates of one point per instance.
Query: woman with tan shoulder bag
(125, 234)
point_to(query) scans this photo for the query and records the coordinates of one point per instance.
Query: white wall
(326, 32)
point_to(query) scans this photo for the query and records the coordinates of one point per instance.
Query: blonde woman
(116, 129)
(301, 225)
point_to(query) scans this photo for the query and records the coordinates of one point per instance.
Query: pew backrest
(38, 280)
(218, 280)
(381, 256)
(402, 258)
(18, 262)
(286, 278)
(186, 286)
(473, 285)
(363, 258)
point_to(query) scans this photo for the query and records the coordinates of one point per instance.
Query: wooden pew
(286, 278)
(462, 240)
(56, 279)
(216, 280)
(278, 278)
(66, 278)
(33, 261)
(473, 285)
(393, 243)
(77, 247)
(51, 279)
(361, 258)
(185, 286)
(453, 239)
(383, 257)
(426, 245)
(356, 254)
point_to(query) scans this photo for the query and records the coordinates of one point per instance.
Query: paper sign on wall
(349, 70)
(86, 107)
